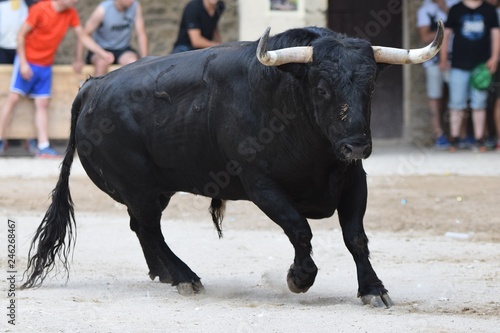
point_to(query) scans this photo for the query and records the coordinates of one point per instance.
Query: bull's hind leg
(162, 262)
(351, 210)
(155, 265)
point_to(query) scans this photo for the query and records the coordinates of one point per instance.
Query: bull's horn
(299, 54)
(389, 55)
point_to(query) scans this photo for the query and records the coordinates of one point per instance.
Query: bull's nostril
(347, 150)
(356, 152)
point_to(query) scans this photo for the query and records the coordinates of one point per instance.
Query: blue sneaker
(32, 146)
(441, 142)
(47, 153)
(2, 148)
(468, 142)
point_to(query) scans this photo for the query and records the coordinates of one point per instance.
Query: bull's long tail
(217, 209)
(56, 235)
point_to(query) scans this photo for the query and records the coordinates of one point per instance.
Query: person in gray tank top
(111, 25)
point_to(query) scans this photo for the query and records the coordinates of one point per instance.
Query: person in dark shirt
(496, 88)
(474, 24)
(198, 27)
(428, 15)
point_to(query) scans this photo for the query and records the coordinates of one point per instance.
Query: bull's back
(156, 113)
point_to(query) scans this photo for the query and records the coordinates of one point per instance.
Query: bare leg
(100, 65)
(6, 114)
(479, 122)
(456, 120)
(42, 119)
(127, 58)
(435, 107)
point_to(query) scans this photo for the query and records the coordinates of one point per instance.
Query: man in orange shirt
(37, 43)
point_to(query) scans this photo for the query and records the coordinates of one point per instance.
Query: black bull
(216, 122)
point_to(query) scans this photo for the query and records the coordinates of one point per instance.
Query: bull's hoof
(190, 288)
(293, 287)
(294, 283)
(377, 301)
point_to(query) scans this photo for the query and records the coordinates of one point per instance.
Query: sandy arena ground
(433, 221)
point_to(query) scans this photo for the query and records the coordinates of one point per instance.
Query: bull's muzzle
(356, 152)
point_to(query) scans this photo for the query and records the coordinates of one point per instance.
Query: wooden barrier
(65, 84)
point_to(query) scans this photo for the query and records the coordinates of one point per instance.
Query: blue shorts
(38, 87)
(461, 91)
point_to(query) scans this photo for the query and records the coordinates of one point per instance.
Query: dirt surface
(433, 222)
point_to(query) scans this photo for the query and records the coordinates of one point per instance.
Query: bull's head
(341, 80)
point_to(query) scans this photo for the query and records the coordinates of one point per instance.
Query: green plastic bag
(481, 77)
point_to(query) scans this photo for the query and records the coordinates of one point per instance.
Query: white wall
(256, 16)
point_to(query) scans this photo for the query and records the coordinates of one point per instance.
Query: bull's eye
(322, 92)
(323, 89)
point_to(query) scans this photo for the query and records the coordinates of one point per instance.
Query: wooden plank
(65, 84)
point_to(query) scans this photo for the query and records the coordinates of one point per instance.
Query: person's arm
(91, 25)
(492, 62)
(426, 35)
(217, 37)
(443, 53)
(442, 5)
(90, 44)
(140, 31)
(424, 23)
(198, 41)
(24, 67)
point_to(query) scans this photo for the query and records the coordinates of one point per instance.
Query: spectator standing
(12, 15)
(199, 25)
(111, 25)
(476, 40)
(496, 86)
(37, 43)
(428, 16)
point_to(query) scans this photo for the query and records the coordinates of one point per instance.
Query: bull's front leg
(279, 208)
(302, 272)
(351, 210)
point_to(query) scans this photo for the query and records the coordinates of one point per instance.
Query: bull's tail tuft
(56, 235)
(217, 209)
